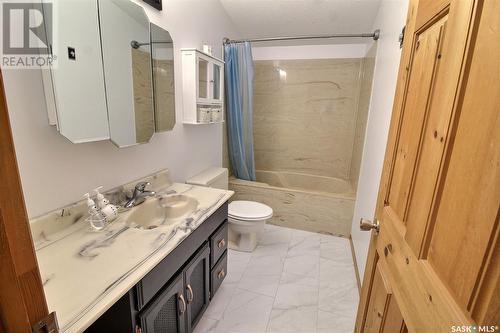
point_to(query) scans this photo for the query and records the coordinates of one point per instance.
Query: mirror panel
(75, 86)
(162, 52)
(126, 52)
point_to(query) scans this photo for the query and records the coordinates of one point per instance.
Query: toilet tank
(213, 177)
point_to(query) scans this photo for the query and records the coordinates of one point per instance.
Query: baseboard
(358, 279)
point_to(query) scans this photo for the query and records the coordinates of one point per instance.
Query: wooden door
(22, 301)
(434, 266)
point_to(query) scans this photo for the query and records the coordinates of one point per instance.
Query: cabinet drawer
(218, 275)
(218, 244)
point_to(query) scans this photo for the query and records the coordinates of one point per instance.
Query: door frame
(22, 299)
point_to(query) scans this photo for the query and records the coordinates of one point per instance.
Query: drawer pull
(183, 309)
(221, 274)
(190, 296)
(221, 243)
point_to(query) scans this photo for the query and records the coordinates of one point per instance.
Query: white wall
(55, 172)
(390, 20)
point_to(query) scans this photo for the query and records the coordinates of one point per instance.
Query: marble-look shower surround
(307, 210)
(143, 99)
(365, 92)
(309, 120)
(305, 115)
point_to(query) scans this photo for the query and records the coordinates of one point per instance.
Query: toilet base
(242, 242)
(244, 236)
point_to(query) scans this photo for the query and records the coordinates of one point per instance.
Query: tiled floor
(294, 282)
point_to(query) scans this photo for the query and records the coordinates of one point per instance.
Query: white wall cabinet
(110, 82)
(203, 87)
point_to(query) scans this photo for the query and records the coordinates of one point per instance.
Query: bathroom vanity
(143, 272)
(173, 296)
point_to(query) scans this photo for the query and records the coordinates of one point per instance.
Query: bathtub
(301, 201)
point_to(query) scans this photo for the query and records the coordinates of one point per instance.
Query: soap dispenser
(108, 210)
(101, 200)
(96, 219)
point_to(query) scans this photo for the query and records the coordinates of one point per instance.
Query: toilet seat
(248, 211)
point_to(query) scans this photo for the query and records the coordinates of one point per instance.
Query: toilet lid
(249, 210)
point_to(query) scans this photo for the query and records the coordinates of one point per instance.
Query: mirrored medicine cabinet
(113, 78)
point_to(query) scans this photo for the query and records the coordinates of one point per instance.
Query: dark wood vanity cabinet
(167, 312)
(179, 307)
(197, 287)
(173, 296)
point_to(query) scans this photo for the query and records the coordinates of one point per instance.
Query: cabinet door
(78, 79)
(202, 78)
(197, 275)
(167, 313)
(216, 82)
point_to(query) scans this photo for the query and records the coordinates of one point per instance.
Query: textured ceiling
(270, 18)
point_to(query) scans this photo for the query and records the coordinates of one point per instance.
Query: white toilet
(246, 218)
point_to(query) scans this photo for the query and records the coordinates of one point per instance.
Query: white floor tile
(329, 322)
(290, 278)
(264, 284)
(237, 264)
(337, 250)
(206, 325)
(220, 301)
(293, 295)
(262, 275)
(275, 235)
(294, 282)
(301, 319)
(278, 250)
(342, 300)
(246, 313)
(304, 265)
(336, 273)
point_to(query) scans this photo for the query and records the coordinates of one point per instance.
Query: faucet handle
(142, 186)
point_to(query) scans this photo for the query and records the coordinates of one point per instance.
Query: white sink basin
(178, 205)
(162, 211)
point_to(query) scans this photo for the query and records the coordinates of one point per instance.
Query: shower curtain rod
(375, 35)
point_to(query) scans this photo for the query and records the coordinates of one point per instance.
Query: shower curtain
(239, 94)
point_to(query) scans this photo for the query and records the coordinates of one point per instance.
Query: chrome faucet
(139, 196)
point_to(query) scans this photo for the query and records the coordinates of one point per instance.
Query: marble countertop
(85, 272)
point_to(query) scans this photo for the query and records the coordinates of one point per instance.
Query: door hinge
(47, 325)
(402, 37)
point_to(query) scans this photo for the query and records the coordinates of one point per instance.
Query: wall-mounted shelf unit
(202, 88)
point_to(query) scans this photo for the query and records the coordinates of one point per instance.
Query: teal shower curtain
(239, 95)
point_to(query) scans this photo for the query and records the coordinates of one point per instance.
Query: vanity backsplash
(43, 226)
